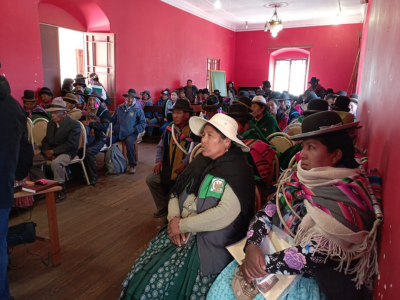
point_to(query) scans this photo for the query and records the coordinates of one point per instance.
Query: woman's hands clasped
(174, 233)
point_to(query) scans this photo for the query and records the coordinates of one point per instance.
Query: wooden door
(51, 58)
(100, 58)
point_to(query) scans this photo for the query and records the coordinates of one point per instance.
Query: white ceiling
(299, 13)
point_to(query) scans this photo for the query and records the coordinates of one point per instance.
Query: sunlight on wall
(69, 41)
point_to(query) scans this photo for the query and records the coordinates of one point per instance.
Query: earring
(226, 150)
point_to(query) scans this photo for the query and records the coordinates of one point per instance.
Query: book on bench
(34, 188)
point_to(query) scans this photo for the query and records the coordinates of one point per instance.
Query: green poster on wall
(218, 82)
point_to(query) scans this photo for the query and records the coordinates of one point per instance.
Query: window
(213, 64)
(290, 75)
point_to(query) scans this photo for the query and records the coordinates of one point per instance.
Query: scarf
(232, 167)
(332, 208)
(175, 154)
(263, 156)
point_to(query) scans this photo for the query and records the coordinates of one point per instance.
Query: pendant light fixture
(217, 4)
(275, 24)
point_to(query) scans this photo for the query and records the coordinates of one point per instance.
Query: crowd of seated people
(208, 170)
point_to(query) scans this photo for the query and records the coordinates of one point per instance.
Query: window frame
(290, 70)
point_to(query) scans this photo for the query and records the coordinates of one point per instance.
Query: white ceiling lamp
(217, 4)
(275, 24)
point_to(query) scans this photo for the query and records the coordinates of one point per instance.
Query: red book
(34, 188)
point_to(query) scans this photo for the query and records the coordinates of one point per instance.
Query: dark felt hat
(341, 104)
(266, 84)
(275, 94)
(145, 92)
(284, 96)
(315, 106)
(93, 75)
(183, 105)
(217, 92)
(313, 80)
(311, 96)
(45, 90)
(206, 91)
(341, 93)
(79, 81)
(246, 101)
(260, 92)
(329, 91)
(80, 76)
(71, 98)
(130, 92)
(94, 94)
(322, 123)
(29, 96)
(212, 103)
(354, 98)
(244, 93)
(230, 82)
(239, 110)
(200, 91)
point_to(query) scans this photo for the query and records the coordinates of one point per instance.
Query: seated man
(285, 104)
(97, 121)
(59, 145)
(33, 111)
(278, 114)
(128, 121)
(171, 160)
(212, 106)
(150, 116)
(71, 101)
(182, 95)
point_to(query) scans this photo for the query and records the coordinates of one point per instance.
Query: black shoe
(161, 213)
(61, 195)
(93, 182)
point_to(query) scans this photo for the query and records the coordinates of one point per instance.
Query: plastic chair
(293, 129)
(29, 126)
(108, 135)
(280, 141)
(292, 162)
(39, 130)
(82, 145)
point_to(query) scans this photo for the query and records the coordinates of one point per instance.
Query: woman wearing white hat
(211, 205)
(262, 118)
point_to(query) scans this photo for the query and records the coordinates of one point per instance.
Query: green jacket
(267, 124)
(254, 133)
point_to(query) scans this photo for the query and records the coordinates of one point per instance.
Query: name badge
(217, 185)
(131, 114)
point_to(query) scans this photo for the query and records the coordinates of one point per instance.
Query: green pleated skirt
(166, 271)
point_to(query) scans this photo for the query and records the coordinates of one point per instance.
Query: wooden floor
(103, 229)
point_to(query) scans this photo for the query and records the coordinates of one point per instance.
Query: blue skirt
(304, 289)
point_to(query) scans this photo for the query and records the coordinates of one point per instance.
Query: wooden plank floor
(103, 229)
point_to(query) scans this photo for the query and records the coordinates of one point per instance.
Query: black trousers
(92, 150)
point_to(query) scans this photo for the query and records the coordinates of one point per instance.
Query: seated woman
(211, 204)
(325, 205)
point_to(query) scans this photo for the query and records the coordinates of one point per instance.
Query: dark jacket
(16, 153)
(100, 128)
(63, 140)
(194, 92)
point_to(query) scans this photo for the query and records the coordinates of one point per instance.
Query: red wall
(20, 48)
(164, 46)
(332, 57)
(378, 112)
(51, 14)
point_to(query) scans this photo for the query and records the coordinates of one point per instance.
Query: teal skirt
(166, 271)
(304, 289)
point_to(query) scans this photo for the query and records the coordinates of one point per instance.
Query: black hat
(266, 84)
(217, 92)
(260, 92)
(230, 82)
(311, 95)
(341, 104)
(183, 105)
(80, 76)
(354, 98)
(275, 94)
(71, 98)
(322, 123)
(313, 80)
(244, 93)
(45, 90)
(79, 81)
(147, 92)
(130, 92)
(246, 101)
(316, 105)
(29, 96)
(237, 110)
(341, 93)
(212, 103)
(205, 91)
(200, 91)
(284, 96)
(166, 92)
(329, 91)
(95, 94)
(251, 96)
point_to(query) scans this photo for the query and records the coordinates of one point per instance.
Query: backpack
(115, 161)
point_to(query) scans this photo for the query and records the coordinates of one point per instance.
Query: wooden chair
(39, 131)
(293, 129)
(292, 162)
(82, 145)
(280, 141)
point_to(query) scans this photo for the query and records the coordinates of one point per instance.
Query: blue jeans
(153, 121)
(163, 127)
(4, 290)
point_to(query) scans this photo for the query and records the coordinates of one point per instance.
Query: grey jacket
(62, 140)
